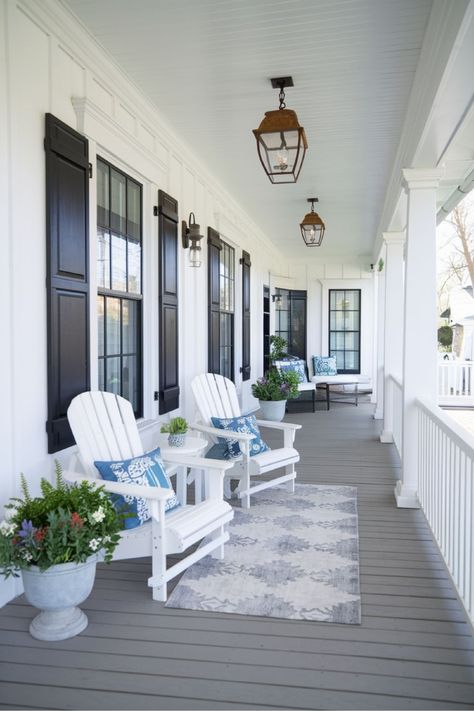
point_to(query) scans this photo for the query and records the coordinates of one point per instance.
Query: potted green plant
(54, 542)
(276, 387)
(176, 428)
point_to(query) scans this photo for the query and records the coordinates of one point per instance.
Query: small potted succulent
(55, 541)
(176, 429)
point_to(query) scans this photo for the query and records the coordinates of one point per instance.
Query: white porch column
(393, 342)
(380, 366)
(420, 345)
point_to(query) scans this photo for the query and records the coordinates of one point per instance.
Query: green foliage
(67, 524)
(177, 425)
(277, 348)
(445, 336)
(276, 385)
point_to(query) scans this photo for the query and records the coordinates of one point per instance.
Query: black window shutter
(67, 274)
(168, 302)
(214, 246)
(246, 264)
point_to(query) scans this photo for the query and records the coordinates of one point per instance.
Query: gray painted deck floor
(413, 650)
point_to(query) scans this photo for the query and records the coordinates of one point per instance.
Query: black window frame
(291, 295)
(227, 316)
(122, 295)
(331, 351)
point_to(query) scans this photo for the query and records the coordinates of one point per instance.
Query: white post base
(406, 498)
(378, 415)
(386, 437)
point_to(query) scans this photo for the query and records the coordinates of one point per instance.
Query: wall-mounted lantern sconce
(277, 300)
(191, 237)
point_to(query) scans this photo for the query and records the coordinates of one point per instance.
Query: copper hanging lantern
(312, 227)
(281, 141)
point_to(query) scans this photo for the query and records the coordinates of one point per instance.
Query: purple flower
(27, 529)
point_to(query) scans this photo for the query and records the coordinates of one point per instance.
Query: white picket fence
(446, 493)
(456, 383)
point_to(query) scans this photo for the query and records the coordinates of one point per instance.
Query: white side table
(194, 446)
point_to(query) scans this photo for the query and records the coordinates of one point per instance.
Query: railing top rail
(397, 379)
(455, 363)
(457, 433)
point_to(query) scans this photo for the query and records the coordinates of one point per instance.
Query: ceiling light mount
(312, 227)
(281, 141)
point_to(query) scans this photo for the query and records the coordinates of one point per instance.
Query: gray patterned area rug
(293, 556)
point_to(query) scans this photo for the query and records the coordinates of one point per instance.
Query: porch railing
(446, 493)
(395, 404)
(456, 382)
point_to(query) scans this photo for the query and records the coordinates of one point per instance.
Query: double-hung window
(119, 281)
(344, 329)
(227, 294)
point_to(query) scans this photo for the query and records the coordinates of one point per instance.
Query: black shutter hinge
(156, 396)
(155, 214)
(90, 170)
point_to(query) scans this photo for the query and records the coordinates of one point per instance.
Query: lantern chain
(281, 96)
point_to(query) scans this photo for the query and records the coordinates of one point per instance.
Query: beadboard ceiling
(206, 65)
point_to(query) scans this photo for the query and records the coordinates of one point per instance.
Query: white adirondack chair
(105, 429)
(216, 396)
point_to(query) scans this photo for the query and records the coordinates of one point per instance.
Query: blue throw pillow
(146, 470)
(246, 424)
(324, 365)
(297, 365)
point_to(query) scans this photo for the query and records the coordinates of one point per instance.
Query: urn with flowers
(54, 541)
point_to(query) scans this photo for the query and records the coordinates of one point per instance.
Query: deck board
(413, 650)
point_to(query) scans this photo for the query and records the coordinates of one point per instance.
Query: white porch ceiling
(206, 66)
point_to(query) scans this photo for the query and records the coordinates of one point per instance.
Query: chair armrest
(229, 434)
(288, 429)
(279, 425)
(114, 487)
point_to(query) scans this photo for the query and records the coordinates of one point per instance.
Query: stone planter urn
(176, 440)
(56, 592)
(272, 409)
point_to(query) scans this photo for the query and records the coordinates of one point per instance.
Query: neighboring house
(460, 313)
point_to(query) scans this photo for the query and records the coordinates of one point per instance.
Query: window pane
(129, 326)
(134, 267)
(119, 263)
(103, 259)
(130, 380)
(134, 210)
(351, 342)
(112, 366)
(118, 204)
(352, 300)
(352, 319)
(337, 341)
(102, 193)
(113, 326)
(339, 355)
(352, 360)
(101, 323)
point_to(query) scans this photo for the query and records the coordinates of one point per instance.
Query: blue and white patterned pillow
(146, 470)
(324, 365)
(246, 424)
(298, 365)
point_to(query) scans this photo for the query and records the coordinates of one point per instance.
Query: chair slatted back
(215, 396)
(104, 427)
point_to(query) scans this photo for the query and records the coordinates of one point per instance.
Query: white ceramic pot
(272, 409)
(56, 592)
